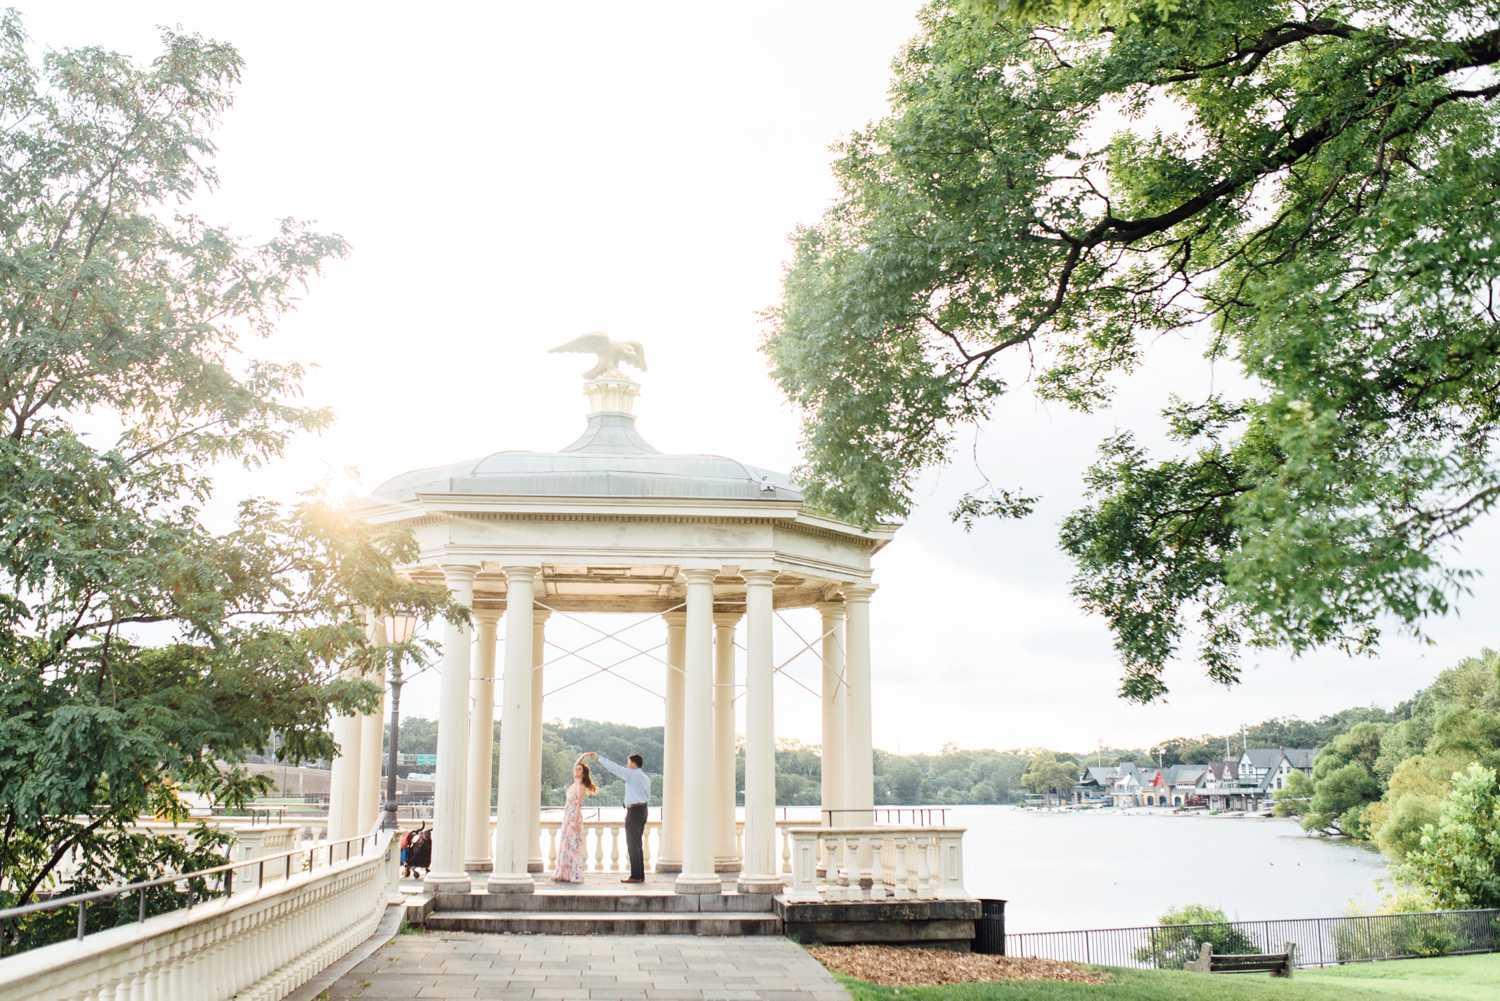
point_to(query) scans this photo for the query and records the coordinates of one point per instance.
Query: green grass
(1458, 978)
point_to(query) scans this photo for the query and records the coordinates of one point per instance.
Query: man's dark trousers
(635, 830)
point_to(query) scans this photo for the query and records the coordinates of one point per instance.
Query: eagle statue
(610, 355)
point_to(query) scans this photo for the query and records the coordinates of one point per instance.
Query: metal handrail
(926, 813)
(1319, 941)
(82, 900)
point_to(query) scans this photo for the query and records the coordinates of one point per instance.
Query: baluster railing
(272, 925)
(876, 863)
(924, 867)
(849, 850)
(899, 889)
(877, 869)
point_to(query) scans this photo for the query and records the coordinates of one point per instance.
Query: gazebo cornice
(623, 506)
(497, 506)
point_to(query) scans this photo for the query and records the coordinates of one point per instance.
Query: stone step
(604, 923)
(605, 901)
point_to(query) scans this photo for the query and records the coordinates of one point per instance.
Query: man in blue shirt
(637, 795)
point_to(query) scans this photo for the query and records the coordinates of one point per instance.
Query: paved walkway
(447, 965)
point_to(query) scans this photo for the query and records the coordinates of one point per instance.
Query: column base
(727, 865)
(447, 882)
(668, 866)
(698, 884)
(478, 865)
(534, 865)
(761, 884)
(510, 882)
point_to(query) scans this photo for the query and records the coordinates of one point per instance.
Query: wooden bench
(1277, 964)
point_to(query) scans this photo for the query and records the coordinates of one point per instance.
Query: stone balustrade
(832, 864)
(604, 843)
(288, 917)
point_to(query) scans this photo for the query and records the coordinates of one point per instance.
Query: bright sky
(513, 175)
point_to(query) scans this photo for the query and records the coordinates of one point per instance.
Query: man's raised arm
(619, 771)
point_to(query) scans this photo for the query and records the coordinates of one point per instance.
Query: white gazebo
(609, 524)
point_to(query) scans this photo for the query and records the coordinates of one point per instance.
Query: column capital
(858, 592)
(676, 618)
(832, 609)
(760, 578)
(699, 575)
(459, 572)
(727, 620)
(521, 571)
(540, 615)
(488, 614)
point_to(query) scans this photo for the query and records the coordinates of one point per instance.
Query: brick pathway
(588, 968)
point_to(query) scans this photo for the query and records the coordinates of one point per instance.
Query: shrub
(1458, 860)
(1183, 932)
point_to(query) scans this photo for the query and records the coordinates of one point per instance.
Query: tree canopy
(1458, 858)
(1344, 782)
(1307, 190)
(144, 652)
(1421, 787)
(1046, 775)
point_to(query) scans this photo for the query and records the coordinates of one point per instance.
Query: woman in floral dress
(570, 845)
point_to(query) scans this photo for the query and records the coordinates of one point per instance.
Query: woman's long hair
(587, 779)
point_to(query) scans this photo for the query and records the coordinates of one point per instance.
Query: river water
(1105, 868)
(1071, 869)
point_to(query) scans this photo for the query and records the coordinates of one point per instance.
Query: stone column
(835, 700)
(369, 742)
(477, 853)
(512, 817)
(859, 753)
(447, 872)
(343, 779)
(534, 801)
(370, 738)
(726, 855)
(698, 776)
(669, 849)
(762, 860)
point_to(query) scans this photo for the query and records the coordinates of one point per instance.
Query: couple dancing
(570, 854)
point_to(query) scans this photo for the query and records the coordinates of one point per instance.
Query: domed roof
(610, 459)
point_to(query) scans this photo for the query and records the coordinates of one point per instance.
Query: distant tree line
(951, 776)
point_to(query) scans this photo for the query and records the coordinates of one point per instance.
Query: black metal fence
(1319, 941)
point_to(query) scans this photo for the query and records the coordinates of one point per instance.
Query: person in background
(406, 853)
(421, 851)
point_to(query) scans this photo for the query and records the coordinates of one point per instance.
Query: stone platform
(601, 905)
(933, 924)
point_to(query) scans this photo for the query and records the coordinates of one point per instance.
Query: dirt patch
(893, 966)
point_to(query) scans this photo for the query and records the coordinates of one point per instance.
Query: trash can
(989, 930)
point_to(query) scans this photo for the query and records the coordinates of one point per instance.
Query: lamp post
(399, 627)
